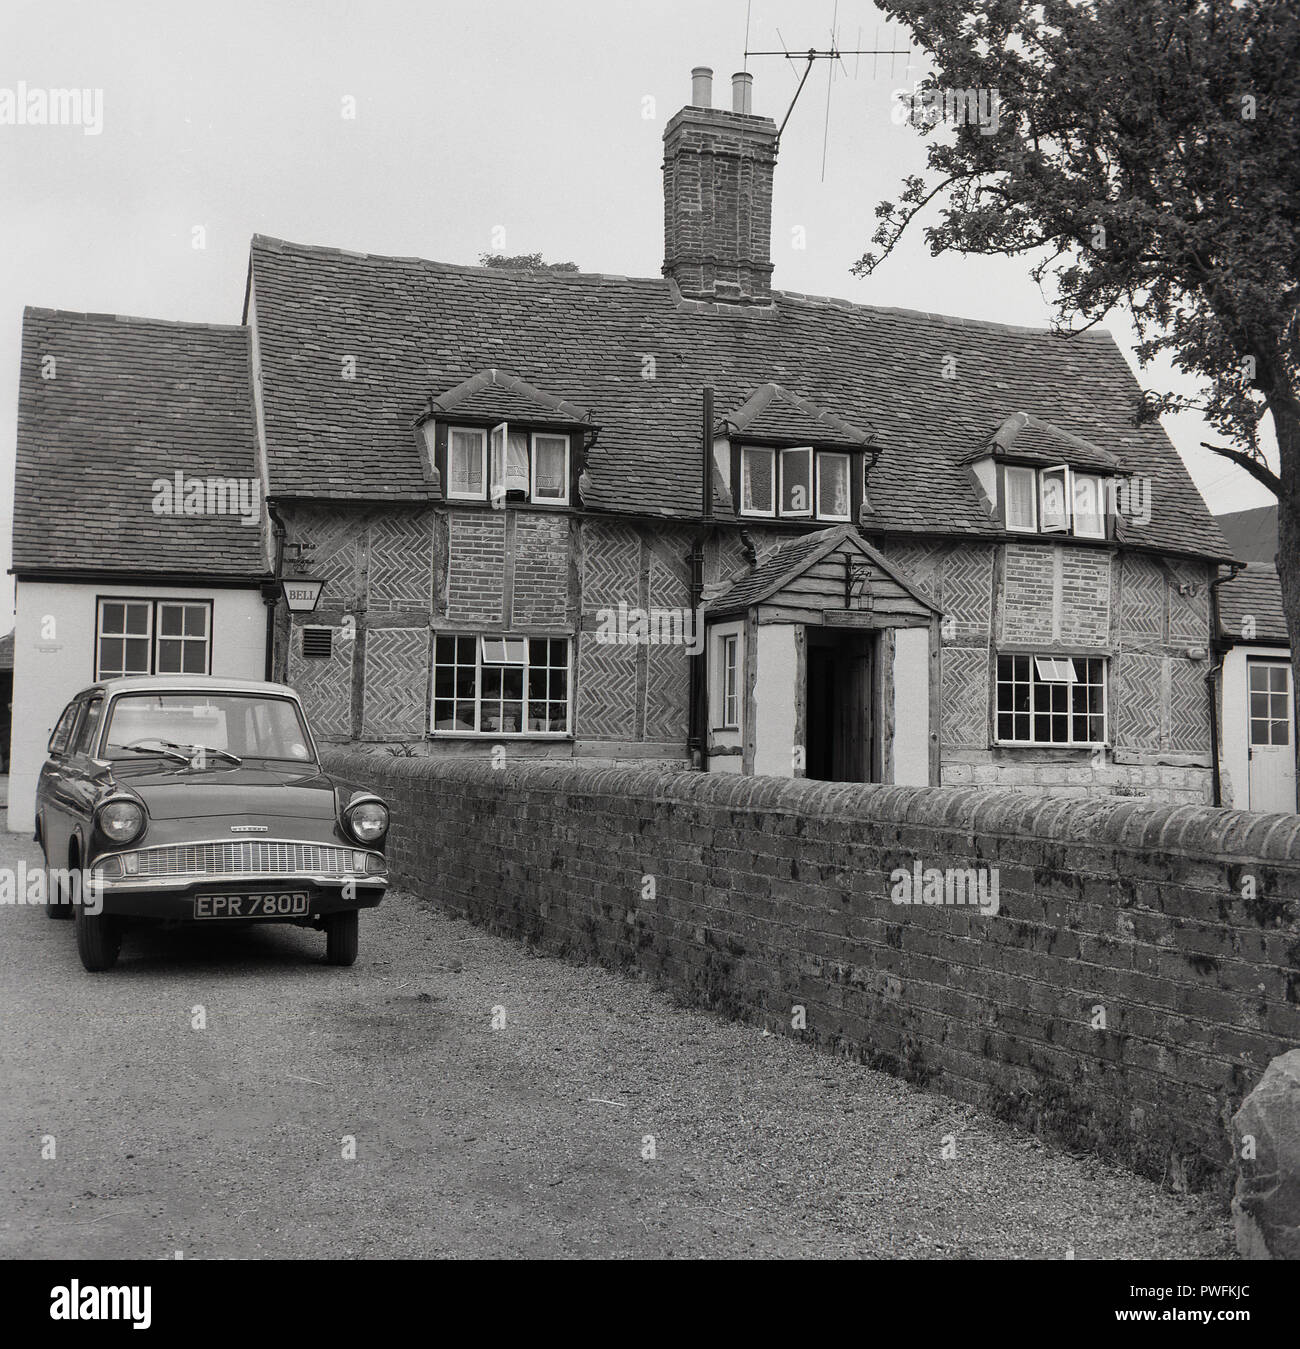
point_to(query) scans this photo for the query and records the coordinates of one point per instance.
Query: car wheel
(341, 937)
(99, 939)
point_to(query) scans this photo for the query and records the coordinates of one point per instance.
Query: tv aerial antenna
(834, 55)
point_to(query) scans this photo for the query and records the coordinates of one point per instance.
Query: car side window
(88, 726)
(63, 728)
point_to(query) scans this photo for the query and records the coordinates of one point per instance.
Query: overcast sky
(526, 115)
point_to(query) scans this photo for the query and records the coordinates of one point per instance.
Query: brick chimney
(718, 197)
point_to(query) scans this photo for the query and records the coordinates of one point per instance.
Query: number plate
(285, 904)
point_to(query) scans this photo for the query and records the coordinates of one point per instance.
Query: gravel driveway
(526, 1140)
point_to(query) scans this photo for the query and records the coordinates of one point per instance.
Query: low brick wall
(1142, 968)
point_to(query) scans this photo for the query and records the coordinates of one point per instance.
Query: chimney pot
(702, 87)
(742, 92)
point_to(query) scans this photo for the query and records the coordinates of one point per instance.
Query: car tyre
(99, 939)
(341, 937)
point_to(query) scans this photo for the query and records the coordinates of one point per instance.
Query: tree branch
(1260, 472)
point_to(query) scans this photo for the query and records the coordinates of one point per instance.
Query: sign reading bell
(302, 593)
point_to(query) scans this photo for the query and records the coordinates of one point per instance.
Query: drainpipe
(271, 595)
(1220, 648)
(698, 733)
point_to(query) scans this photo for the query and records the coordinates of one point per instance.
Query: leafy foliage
(1148, 152)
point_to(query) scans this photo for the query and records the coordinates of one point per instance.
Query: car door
(79, 776)
(52, 800)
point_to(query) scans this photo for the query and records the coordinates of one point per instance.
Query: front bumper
(171, 896)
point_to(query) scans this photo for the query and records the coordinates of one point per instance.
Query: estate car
(193, 799)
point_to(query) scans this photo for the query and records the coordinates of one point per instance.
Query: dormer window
(1055, 500)
(798, 483)
(507, 463)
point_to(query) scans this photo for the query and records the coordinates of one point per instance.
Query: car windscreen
(248, 725)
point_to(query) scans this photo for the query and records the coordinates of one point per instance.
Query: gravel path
(526, 1140)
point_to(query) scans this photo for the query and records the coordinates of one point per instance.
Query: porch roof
(792, 559)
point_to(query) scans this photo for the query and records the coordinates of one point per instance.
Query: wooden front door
(839, 722)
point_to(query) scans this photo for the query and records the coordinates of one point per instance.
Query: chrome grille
(257, 856)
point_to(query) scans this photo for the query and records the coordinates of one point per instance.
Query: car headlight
(120, 821)
(368, 821)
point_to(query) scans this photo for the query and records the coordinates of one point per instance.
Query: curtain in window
(1021, 484)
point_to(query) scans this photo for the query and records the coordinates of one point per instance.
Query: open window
(1053, 500)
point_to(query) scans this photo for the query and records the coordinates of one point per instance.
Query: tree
(1147, 153)
(524, 262)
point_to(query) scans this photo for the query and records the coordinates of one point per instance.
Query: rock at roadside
(1266, 1149)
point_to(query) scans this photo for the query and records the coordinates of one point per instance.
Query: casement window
(550, 468)
(1020, 492)
(800, 483)
(1088, 500)
(834, 493)
(797, 482)
(507, 463)
(1051, 700)
(492, 685)
(1055, 500)
(757, 481)
(730, 690)
(1053, 507)
(142, 637)
(466, 464)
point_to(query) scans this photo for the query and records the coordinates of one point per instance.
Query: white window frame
(1101, 505)
(729, 684)
(1053, 663)
(745, 451)
(1067, 502)
(153, 635)
(183, 638)
(482, 659)
(788, 455)
(848, 482)
(1007, 470)
(482, 435)
(147, 636)
(562, 500)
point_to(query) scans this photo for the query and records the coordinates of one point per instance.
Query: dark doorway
(839, 722)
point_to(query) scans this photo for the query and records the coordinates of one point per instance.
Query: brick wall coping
(1127, 823)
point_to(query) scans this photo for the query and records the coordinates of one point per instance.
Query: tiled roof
(1252, 602)
(494, 393)
(791, 559)
(7, 651)
(1021, 436)
(774, 413)
(129, 401)
(638, 359)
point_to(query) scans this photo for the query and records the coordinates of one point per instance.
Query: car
(202, 801)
